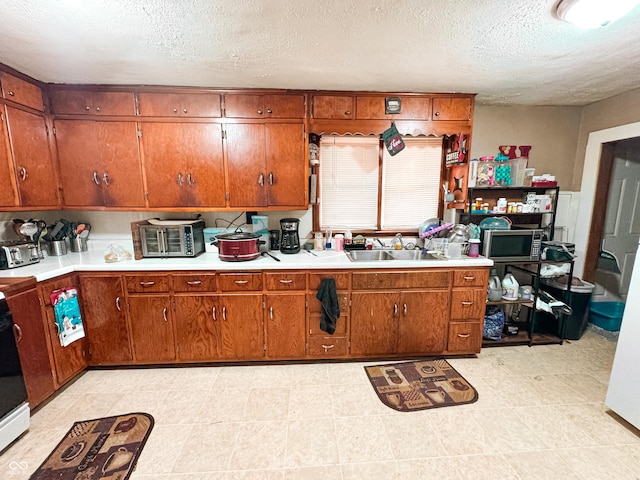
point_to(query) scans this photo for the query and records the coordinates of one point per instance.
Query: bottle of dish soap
(494, 293)
(510, 287)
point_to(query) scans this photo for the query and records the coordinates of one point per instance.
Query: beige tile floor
(540, 415)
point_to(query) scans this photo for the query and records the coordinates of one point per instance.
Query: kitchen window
(363, 187)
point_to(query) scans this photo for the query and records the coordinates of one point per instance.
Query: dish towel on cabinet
(67, 313)
(330, 306)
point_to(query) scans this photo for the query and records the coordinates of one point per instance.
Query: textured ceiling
(507, 51)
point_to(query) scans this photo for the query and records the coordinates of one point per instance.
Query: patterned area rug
(104, 448)
(412, 386)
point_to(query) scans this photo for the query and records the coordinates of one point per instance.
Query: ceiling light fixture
(594, 13)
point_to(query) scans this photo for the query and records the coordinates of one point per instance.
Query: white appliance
(14, 409)
(624, 384)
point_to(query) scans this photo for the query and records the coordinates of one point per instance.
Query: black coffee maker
(289, 238)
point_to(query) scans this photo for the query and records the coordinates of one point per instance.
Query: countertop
(93, 260)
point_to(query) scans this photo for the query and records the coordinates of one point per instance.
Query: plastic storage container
(210, 236)
(578, 298)
(607, 315)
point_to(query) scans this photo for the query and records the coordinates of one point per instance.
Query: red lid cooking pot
(238, 246)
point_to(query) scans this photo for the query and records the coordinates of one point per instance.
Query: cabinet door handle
(164, 314)
(18, 332)
(195, 282)
(466, 304)
(23, 174)
(327, 347)
(395, 309)
(285, 281)
(190, 179)
(241, 282)
(179, 179)
(270, 178)
(97, 109)
(184, 110)
(269, 110)
(105, 178)
(87, 108)
(436, 114)
(405, 309)
(147, 284)
(469, 278)
(464, 335)
(175, 110)
(261, 180)
(259, 112)
(118, 303)
(224, 313)
(213, 313)
(11, 94)
(271, 313)
(348, 112)
(95, 178)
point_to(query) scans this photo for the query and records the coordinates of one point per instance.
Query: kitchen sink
(380, 255)
(368, 255)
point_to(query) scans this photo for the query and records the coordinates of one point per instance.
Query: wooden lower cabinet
(72, 359)
(373, 323)
(31, 339)
(218, 327)
(285, 325)
(151, 325)
(106, 320)
(423, 317)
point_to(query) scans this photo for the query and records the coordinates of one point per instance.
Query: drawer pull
(118, 303)
(464, 335)
(327, 347)
(466, 303)
(241, 282)
(469, 278)
(194, 282)
(285, 281)
(164, 314)
(147, 284)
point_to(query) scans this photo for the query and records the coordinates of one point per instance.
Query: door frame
(593, 194)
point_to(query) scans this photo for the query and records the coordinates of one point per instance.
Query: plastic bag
(116, 253)
(493, 323)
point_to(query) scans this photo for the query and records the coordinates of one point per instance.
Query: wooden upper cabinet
(183, 164)
(411, 108)
(452, 108)
(20, 91)
(32, 159)
(333, 107)
(99, 163)
(179, 105)
(264, 106)
(8, 192)
(85, 102)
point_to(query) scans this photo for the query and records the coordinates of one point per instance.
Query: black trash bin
(578, 298)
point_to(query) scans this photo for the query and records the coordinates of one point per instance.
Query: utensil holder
(56, 248)
(78, 244)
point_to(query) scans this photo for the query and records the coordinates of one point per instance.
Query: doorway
(608, 200)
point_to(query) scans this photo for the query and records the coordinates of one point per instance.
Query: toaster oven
(186, 240)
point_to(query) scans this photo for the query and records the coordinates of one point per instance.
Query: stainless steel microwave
(172, 240)
(517, 245)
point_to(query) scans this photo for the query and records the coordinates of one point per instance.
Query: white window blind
(349, 181)
(411, 184)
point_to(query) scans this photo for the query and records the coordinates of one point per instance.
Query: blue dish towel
(67, 313)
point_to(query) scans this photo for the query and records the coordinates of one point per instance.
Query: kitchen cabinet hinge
(224, 111)
(226, 196)
(264, 347)
(264, 305)
(146, 195)
(53, 130)
(224, 134)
